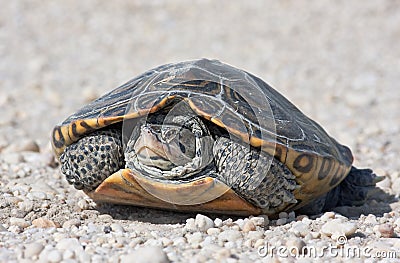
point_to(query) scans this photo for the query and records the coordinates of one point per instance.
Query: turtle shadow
(153, 215)
(377, 204)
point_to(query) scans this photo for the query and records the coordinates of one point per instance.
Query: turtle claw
(378, 179)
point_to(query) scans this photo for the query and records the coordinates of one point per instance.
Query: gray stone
(281, 221)
(2, 228)
(283, 215)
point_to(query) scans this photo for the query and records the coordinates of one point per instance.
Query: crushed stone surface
(338, 61)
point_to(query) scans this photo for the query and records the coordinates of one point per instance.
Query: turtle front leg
(93, 158)
(257, 177)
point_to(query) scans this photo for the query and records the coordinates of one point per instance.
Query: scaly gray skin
(92, 159)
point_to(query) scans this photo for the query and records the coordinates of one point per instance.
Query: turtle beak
(151, 151)
(149, 145)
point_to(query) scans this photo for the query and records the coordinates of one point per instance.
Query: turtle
(204, 136)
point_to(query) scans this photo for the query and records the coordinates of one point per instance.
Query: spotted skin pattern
(92, 159)
(244, 169)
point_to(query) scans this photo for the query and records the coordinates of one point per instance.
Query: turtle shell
(235, 100)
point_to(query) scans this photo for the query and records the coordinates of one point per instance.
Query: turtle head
(170, 146)
(165, 146)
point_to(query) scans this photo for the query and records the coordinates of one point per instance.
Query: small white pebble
(117, 228)
(249, 226)
(300, 229)
(104, 217)
(315, 235)
(54, 256)
(35, 195)
(386, 230)
(32, 250)
(19, 222)
(146, 254)
(179, 241)
(203, 222)
(26, 205)
(228, 222)
(71, 222)
(15, 229)
(230, 245)
(370, 219)
(337, 227)
(83, 204)
(213, 231)
(259, 243)
(218, 222)
(397, 222)
(240, 222)
(194, 239)
(166, 241)
(255, 235)
(208, 240)
(295, 245)
(190, 225)
(260, 220)
(68, 254)
(229, 235)
(248, 243)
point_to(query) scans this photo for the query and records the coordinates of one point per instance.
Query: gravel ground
(338, 61)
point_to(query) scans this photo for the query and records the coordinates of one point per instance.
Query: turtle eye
(168, 134)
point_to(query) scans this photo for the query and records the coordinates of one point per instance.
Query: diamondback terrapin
(204, 136)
